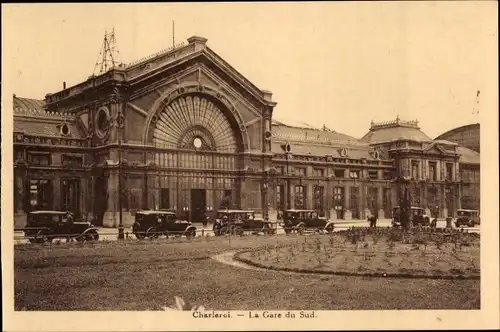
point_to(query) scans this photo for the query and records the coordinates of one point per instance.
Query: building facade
(193, 135)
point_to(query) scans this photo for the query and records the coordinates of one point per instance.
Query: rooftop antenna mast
(173, 33)
(109, 55)
(475, 109)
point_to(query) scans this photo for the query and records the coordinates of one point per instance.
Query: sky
(342, 64)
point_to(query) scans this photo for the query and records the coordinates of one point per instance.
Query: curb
(240, 259)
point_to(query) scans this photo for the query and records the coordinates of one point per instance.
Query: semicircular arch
(190, 107)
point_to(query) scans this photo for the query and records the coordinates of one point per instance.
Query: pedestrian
(69, 228)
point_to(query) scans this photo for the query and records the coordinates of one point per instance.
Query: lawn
(146, 275)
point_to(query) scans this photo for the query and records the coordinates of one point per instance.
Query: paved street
(111, 234)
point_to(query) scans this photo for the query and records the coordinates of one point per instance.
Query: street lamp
(288, 189)
(120, 122)
(404, 201)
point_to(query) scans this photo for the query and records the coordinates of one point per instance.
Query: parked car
(240, 221)
(468, 218)
(300, 220)
(44, 226)
(417, 216)
(152, 224)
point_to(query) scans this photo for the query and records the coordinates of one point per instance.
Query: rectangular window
(70, 195)
(300, 197)
(71, 160)
(280, 197)
(318, 172)
(354, 202)
(416, 197)
(135, 199)
(354, 174)
(279, 169)
(371, 200)
(40, 159)
(339, 173)
(19, 154)
(40, 194)
(432, 171)
(387, 175)
(373, 174)
(415, 170)
(164, 198)
(300, 171)
(318, 197)
(449, 171)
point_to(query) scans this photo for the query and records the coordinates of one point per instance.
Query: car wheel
(329, 229)
(92, 235)
(266, 229)
(139, 235)
(191, 233)
(151, 233)
(301, 229)
(238, 231)
(43, 236)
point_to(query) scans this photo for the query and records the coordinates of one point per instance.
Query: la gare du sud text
(252, 314)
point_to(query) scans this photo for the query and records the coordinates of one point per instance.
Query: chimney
(64, 85)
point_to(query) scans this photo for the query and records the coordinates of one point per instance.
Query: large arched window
(195, 122)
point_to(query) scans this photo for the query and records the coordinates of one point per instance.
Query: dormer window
(65, 130)
(343, 152)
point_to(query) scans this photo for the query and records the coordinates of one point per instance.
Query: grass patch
(146, 275)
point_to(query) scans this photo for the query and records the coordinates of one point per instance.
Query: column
(110, 218)
(56, 190)
(442, 201)
(242, 193)
(291, 193)
(83, 195)
(364, 207)
(459, 196)
(310, 193)
(329, 198)
(347, 207)
(380, 202)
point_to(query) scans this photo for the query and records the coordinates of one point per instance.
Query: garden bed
(389, 254)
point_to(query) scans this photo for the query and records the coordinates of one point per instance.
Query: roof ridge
(42, 113)
(156, 54)
(28, 98)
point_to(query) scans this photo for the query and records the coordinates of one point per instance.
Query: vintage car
(417, 216)
(239, 221)
(468, 218)
(300, 220)
(44, 226)
(152, 224)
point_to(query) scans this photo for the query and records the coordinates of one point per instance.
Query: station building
(194, 135)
